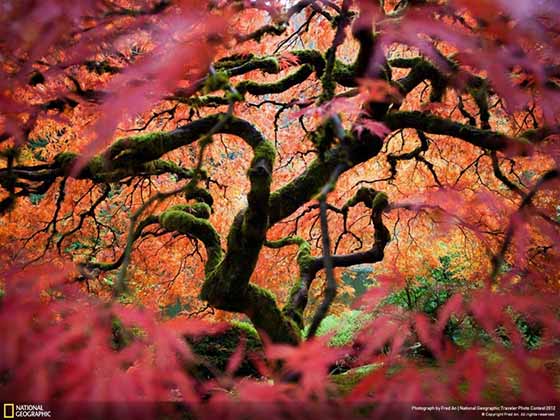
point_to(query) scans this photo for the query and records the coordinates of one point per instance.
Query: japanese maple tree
(237, 158)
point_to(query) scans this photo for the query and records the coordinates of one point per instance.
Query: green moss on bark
(344, 74)
(180, 221)
(215, 351)
(199, 210)
(486, 139)
(380, 201)
(217, 81)
(233, 61)
(289, 198)
(65, 159)
(265, 64)
(125, 151)
(279, 86)
(201, 195)
(313, 58)
(264, 150)
(290, 310)
(265, 315)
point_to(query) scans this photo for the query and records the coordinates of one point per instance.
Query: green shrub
(343, 327)
(428, 294)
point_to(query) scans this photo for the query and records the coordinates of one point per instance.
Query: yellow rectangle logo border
(6, 406)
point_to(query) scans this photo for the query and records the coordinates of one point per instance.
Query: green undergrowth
(343, 327)
(345, 382)
(215, 351)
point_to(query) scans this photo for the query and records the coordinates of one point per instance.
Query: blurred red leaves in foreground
(58, 345)
(470, 167)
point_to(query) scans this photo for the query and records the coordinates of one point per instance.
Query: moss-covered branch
(297, 300)
(486, 139)
(138, 155)
(279, 86)
(309, 265)
(96, 172)
(265, 64)
(145, 148)
(236, 65)
(135, 155)
(181, 219)
(310, 61)
(376, 201)
(420, 70)
(108, 266)
(347, 75)
(289, 198)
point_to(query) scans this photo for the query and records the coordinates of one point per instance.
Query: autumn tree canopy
(235, 159)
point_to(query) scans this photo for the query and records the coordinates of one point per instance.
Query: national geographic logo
(25, 410)
(9, 411)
